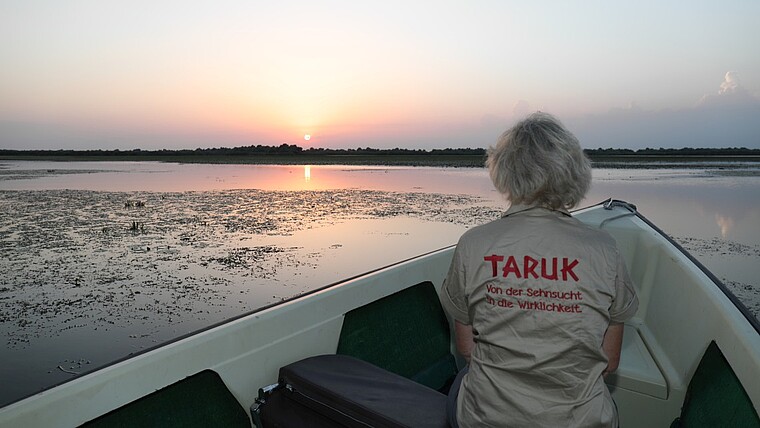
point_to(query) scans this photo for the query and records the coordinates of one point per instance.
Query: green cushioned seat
(406, 333)
(715, 397)
(201, 400)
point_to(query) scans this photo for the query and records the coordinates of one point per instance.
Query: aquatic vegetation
(203, 258)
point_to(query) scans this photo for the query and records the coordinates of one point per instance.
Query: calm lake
(104, 259)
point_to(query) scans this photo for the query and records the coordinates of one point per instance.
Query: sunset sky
(172, 74)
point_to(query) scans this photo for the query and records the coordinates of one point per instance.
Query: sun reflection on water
(307, 173)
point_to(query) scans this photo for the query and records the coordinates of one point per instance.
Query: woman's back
(541, 292)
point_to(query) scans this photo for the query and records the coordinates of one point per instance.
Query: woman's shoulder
(592, 231)
(586, 236)
(561, 227)
(485, 229)
(476, 237)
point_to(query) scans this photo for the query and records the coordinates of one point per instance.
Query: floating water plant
(134, 204)
(137, 227)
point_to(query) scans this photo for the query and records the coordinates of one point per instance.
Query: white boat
(217, 373)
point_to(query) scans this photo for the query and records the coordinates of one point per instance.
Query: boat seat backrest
(715, 396)
(406, 333)
(200, 400)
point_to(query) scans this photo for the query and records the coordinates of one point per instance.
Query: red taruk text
(530, 267)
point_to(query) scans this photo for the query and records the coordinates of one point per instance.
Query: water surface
(103, 259)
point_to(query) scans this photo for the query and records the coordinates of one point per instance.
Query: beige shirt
(539, 289)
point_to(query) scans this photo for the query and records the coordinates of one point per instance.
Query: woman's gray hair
(539, 162)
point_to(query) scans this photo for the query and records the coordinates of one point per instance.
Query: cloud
(730, 83)
(730, 94)
(726, 118)
(521, 109)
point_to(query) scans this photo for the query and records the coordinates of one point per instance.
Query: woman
(538, 297)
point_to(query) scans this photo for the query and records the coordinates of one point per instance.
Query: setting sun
(307, 137)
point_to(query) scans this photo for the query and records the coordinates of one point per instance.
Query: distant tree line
(294, 150)
(686, 151)
(283, 149)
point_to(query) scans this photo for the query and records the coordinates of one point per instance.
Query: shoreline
(428, 160)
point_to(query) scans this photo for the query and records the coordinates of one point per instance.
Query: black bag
(342, 391)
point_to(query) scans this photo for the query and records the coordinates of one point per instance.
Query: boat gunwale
(748, 315)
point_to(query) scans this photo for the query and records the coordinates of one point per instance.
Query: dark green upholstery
(406, 333)
(201, 400)
(715, 397)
